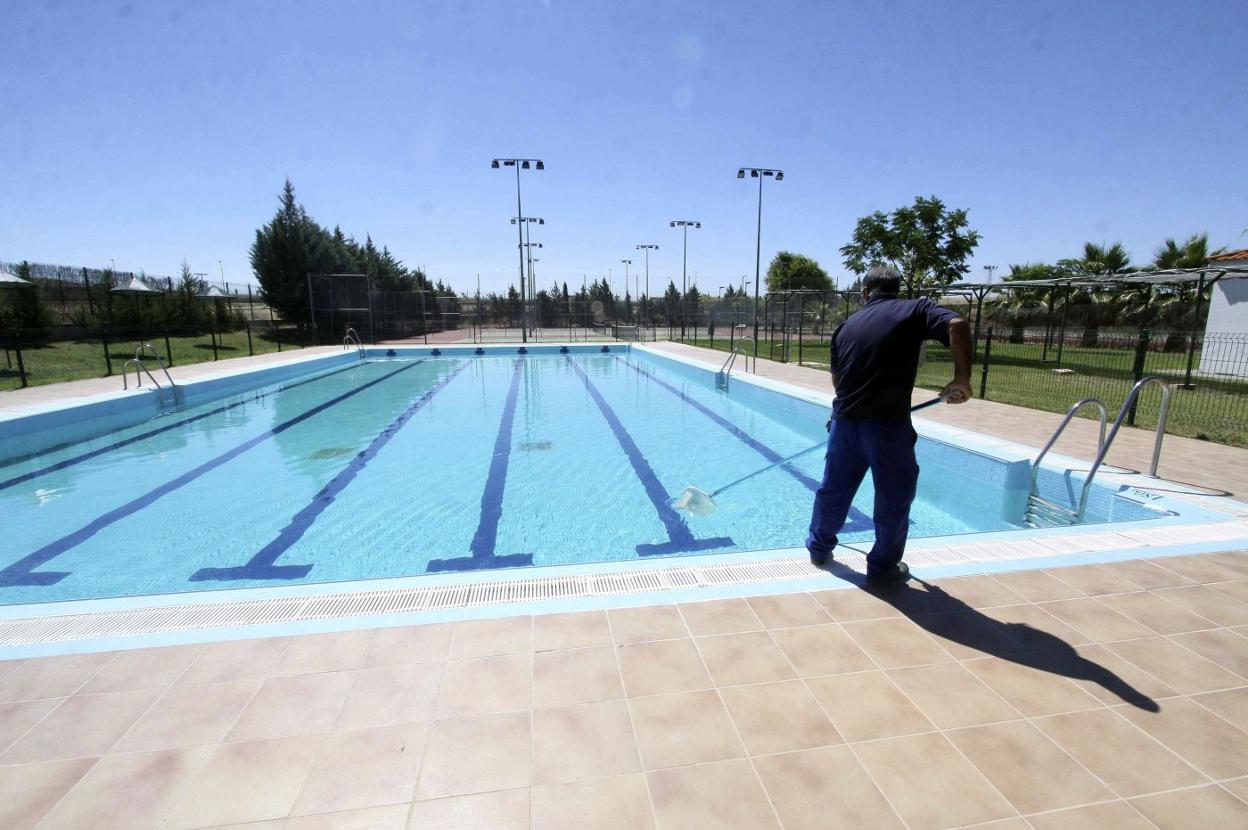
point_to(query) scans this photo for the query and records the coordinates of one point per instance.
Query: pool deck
(1098, 696)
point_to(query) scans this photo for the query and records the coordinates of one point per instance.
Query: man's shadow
(949, 618)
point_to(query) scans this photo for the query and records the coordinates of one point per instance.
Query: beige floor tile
(1095, 621)
(235, 660)
(1151, 610)
(929, 783)
(662, 667)
(390, 695)
(364, 768)
(391, 817)
(250, 781)
(189, 715)
(619, 803)
(1231, 705)
(128, 791)
(31, 790)
(1037, 586)
(1034, 630)
(778, 717)
(1236, 590)
(1124, 757)
(1093, 580)
(969, 634)
(486, 685)
(1113, 680)
(410, 644)
(489, 638)
(725, 795)
(720, 616)
(824, 789)
(315, 653)
(578, 629)
(142, 668)
(42, 677)
(499, 810)
(896, 643)
(83, 726)
(1146, 574)
(1208, 603)
(851, 604)
(1032, 691)
(302, 704)
(1225, 648)
(1113, 815)
(1201, 568)
(685, 728)
(473, 755)
(788, 610)
(653, 622)
(973, 592)
(950, 696)
(1204, 807)
(592, 740)
(580, 675)
(867, 705)
(743, 658)
(1175, 666)
(1238, 787)
(821, 649)
(1200, 737)
(18, 717)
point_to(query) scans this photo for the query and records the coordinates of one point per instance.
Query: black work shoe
(819, 559)
(900, 573)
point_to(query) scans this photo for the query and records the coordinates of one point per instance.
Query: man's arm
(959, 391)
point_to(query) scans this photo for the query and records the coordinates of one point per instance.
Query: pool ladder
(721, 377)
(1040, 512)
(166, 396)
(352, 339)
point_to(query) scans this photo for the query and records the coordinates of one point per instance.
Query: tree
(25, 312)
(281, 257)
(927, 244)
(789, 271)
(1194, 253)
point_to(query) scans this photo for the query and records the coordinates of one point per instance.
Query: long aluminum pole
(528, 255)
(758, 253)
(684, 280)
(647, 308)
(524, 334)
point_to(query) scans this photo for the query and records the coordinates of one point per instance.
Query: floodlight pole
(684, 225)
(647, 249)
(518, 163)
(627, 262)
(759, 173)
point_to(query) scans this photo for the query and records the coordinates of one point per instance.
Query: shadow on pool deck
(949, 618)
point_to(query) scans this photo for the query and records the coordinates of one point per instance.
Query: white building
(1226, 328)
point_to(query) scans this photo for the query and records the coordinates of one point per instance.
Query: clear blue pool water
(404, 467)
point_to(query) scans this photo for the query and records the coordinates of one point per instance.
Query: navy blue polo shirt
(875, 356)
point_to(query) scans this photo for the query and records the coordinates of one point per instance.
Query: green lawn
(1214, 410)
(78, 359)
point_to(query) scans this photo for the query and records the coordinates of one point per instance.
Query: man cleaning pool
(875, 357)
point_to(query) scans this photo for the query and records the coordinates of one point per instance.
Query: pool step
(1043, 513)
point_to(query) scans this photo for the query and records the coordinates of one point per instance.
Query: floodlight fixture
(520, 164)
(759, 173)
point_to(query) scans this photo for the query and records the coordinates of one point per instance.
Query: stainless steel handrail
(1162, 415)
(737, 350)
(138, 355)
(1100, 443)
(351, 339)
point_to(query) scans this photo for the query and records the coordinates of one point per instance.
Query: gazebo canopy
(212, 293)
(1234, 269)
(8, 280)
(136, 287)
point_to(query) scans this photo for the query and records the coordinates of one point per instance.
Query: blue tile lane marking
(857, 520)
(261, 565)
(680, 539)
(87, 456)
(22, 572)
(486, 537)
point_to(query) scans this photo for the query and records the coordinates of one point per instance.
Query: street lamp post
(528, 247)
(759, 173)
(684, 225)
(520, 164)
(627, 262)
(645, 308)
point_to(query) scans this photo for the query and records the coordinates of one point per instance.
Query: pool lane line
(680, 538)
(856, 521)
(22, 572)
(87, 456)
(261, 566)
(485, 540)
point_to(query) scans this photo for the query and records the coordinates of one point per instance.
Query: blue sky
(153, 132)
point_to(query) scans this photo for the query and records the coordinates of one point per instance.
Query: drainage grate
(344, 605)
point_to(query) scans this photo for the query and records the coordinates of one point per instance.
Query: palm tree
(1102, 259)
(1194, 253)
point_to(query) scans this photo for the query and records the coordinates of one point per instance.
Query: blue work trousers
(887, 450)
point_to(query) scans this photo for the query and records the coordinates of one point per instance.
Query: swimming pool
(425, 462)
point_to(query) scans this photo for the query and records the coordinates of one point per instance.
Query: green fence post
(983, 375)
(21, 365)
(108, 360)
(250, 351)
(212, 332)
(1137, 371)
(168, 348)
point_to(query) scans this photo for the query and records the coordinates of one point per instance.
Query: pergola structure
(1204, 277)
